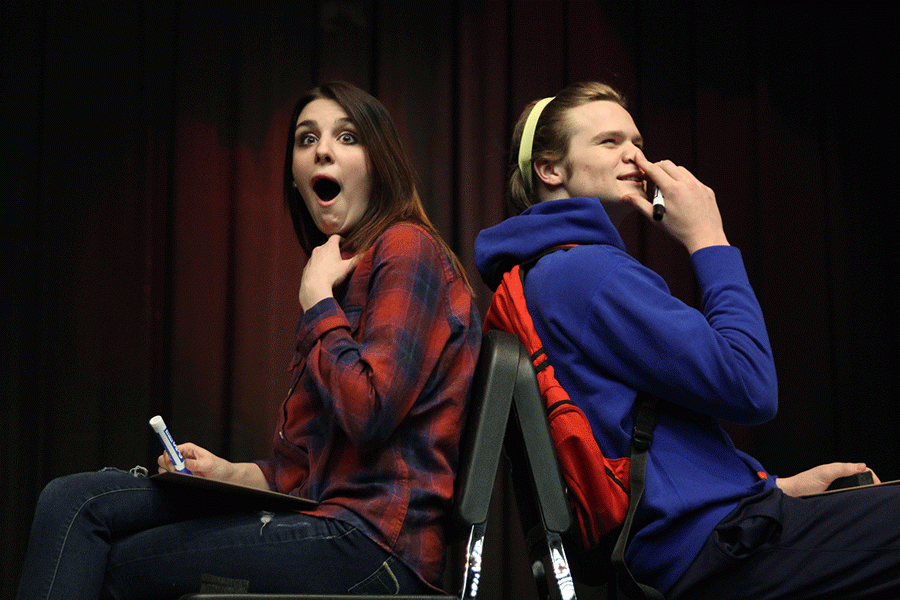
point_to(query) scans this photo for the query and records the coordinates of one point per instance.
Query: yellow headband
(525, 146)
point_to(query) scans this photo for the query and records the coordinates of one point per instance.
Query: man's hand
(817, 479)
(692, 214)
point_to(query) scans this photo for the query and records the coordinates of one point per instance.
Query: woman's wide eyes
(346, 137)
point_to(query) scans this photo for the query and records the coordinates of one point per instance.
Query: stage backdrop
(150, 268)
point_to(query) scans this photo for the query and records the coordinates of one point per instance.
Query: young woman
(711, 523)
(386, 345)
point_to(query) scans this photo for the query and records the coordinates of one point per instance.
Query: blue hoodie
(610, 327)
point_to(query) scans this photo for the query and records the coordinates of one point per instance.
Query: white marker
(159, 426)
(659, 205)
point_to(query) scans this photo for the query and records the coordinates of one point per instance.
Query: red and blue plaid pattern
(382, 374)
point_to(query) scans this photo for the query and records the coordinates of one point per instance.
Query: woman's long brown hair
(394, 195)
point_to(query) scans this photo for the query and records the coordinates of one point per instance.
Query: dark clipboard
(242, 497)
(851, 489)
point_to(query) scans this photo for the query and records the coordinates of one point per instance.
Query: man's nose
(629, 153)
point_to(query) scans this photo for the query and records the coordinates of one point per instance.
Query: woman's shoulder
(413, 247)
(405, 231)
(410, 240)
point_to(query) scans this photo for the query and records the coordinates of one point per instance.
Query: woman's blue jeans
(112, 534)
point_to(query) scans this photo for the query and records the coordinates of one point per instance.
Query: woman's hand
(817, 479)
(198, 461)
(203, 463)
(325, 269)
(692, 214)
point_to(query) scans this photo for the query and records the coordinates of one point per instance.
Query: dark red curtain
(149, 266)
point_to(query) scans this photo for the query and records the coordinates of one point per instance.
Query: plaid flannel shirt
(382, 374)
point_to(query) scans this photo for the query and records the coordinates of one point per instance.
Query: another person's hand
(817, 479)
(325, 269)
(692, 214)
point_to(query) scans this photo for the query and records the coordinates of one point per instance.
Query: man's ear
(549, 172)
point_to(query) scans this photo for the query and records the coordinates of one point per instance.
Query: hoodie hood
(542, 226)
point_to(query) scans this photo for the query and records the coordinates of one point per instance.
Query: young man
(712, 523)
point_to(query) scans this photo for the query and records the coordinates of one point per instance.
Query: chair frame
(538, 486)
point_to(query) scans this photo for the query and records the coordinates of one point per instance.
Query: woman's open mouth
(326, 189)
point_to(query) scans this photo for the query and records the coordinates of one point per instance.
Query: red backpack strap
(598, 485)
(571, 432)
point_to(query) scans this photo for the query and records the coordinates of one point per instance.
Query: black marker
(659, 204)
